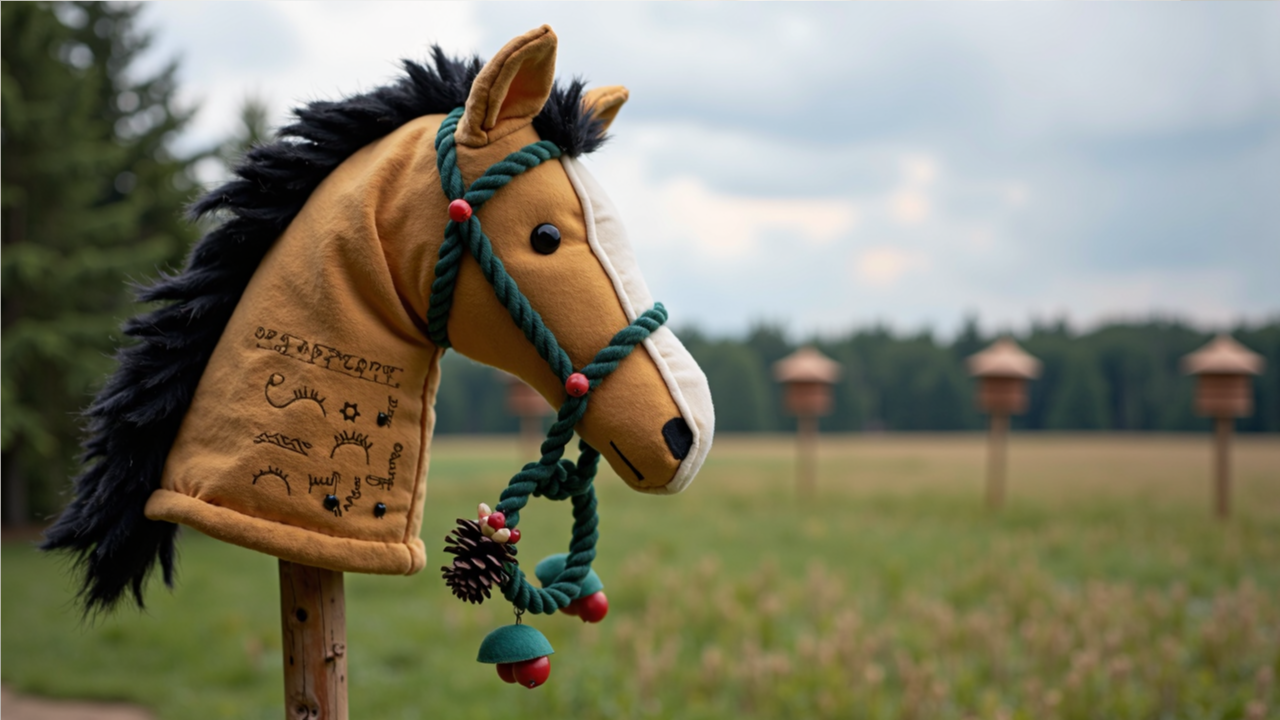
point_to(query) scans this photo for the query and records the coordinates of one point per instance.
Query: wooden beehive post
(1002, 371)
(1224, 392)
(527, 404)
(313, 621)
(807, 377)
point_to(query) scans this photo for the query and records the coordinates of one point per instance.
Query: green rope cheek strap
(552, 476)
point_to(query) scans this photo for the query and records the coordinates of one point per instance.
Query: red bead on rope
(459, 210)
(577, 385)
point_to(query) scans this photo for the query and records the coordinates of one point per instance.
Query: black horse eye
(545, 238)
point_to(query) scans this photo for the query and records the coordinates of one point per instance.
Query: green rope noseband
(552, 476)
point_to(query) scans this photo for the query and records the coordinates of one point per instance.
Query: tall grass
(1105, 590)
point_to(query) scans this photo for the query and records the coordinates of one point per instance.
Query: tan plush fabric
(329, 333)
(605, 102)
(511, 90)
(326, 337)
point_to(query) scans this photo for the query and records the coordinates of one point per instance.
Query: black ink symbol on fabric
(297, 445)
(301, 393)
(355, 495)
(327, 482)
(274, 472)
(385, 417)
(350, 411)
(379, 482)
(327, 357)
(396, 450)
(352, 438)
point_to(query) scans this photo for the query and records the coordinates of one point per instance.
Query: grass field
(1104, 590)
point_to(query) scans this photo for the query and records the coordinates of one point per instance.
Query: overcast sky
(829, 166)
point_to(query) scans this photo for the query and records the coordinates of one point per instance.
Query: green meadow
(1105, 589)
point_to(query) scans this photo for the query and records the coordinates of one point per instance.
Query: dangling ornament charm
(591, 605)
(520, 652)
(478, 562)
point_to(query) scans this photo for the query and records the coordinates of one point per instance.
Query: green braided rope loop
(568, 584)
(557, 479)
(551, 476)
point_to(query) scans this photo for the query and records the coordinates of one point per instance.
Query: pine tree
(254, 130)
(92, 198)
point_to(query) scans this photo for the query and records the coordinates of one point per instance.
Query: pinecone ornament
(477, 563)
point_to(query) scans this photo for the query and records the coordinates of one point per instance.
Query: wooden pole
(997, 442)
(313, 621)
(1222, 466)
(807, 455)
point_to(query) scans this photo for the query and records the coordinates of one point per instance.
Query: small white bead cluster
(493, 525)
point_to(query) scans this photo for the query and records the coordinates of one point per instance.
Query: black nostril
(678, 436)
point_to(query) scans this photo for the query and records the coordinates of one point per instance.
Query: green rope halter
(551, 476)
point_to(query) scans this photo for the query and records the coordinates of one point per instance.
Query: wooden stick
(1222, 466)
(997, 442)
(313, 621)
(807, 455)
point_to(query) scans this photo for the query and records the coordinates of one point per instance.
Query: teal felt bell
(551, 567)
(513, 644)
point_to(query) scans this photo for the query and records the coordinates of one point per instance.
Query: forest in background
(93, 192)
(1120, 376)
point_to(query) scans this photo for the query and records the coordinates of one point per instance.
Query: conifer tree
(92, 197)
(254, 129)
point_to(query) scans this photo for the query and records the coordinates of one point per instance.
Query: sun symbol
(350, 411)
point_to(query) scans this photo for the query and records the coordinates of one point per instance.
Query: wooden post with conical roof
(527, 404)
(807, 376)
(1224, 392)
(1002, 371)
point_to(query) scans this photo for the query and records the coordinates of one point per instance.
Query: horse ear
(605, 102)
(511, 89)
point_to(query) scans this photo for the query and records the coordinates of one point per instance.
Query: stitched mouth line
(639, 477)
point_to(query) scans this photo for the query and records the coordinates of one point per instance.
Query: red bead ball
(459, 210)
(577, 385)
(573, 608)
(594, 607)
(507, 672)
(515, 536)
(532, 673)
(497, 520)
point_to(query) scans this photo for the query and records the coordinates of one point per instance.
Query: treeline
(1122, 376)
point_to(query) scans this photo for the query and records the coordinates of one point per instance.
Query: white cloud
(909, 207)
(911, 203)
(724, 225)
(919, 170)
(671, 205)
(882, 267)
(684, 210)
(1017, 194)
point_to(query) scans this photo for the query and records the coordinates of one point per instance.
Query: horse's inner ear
(511, 89)
(605, 102)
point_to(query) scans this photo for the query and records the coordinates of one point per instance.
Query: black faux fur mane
(134, 420)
